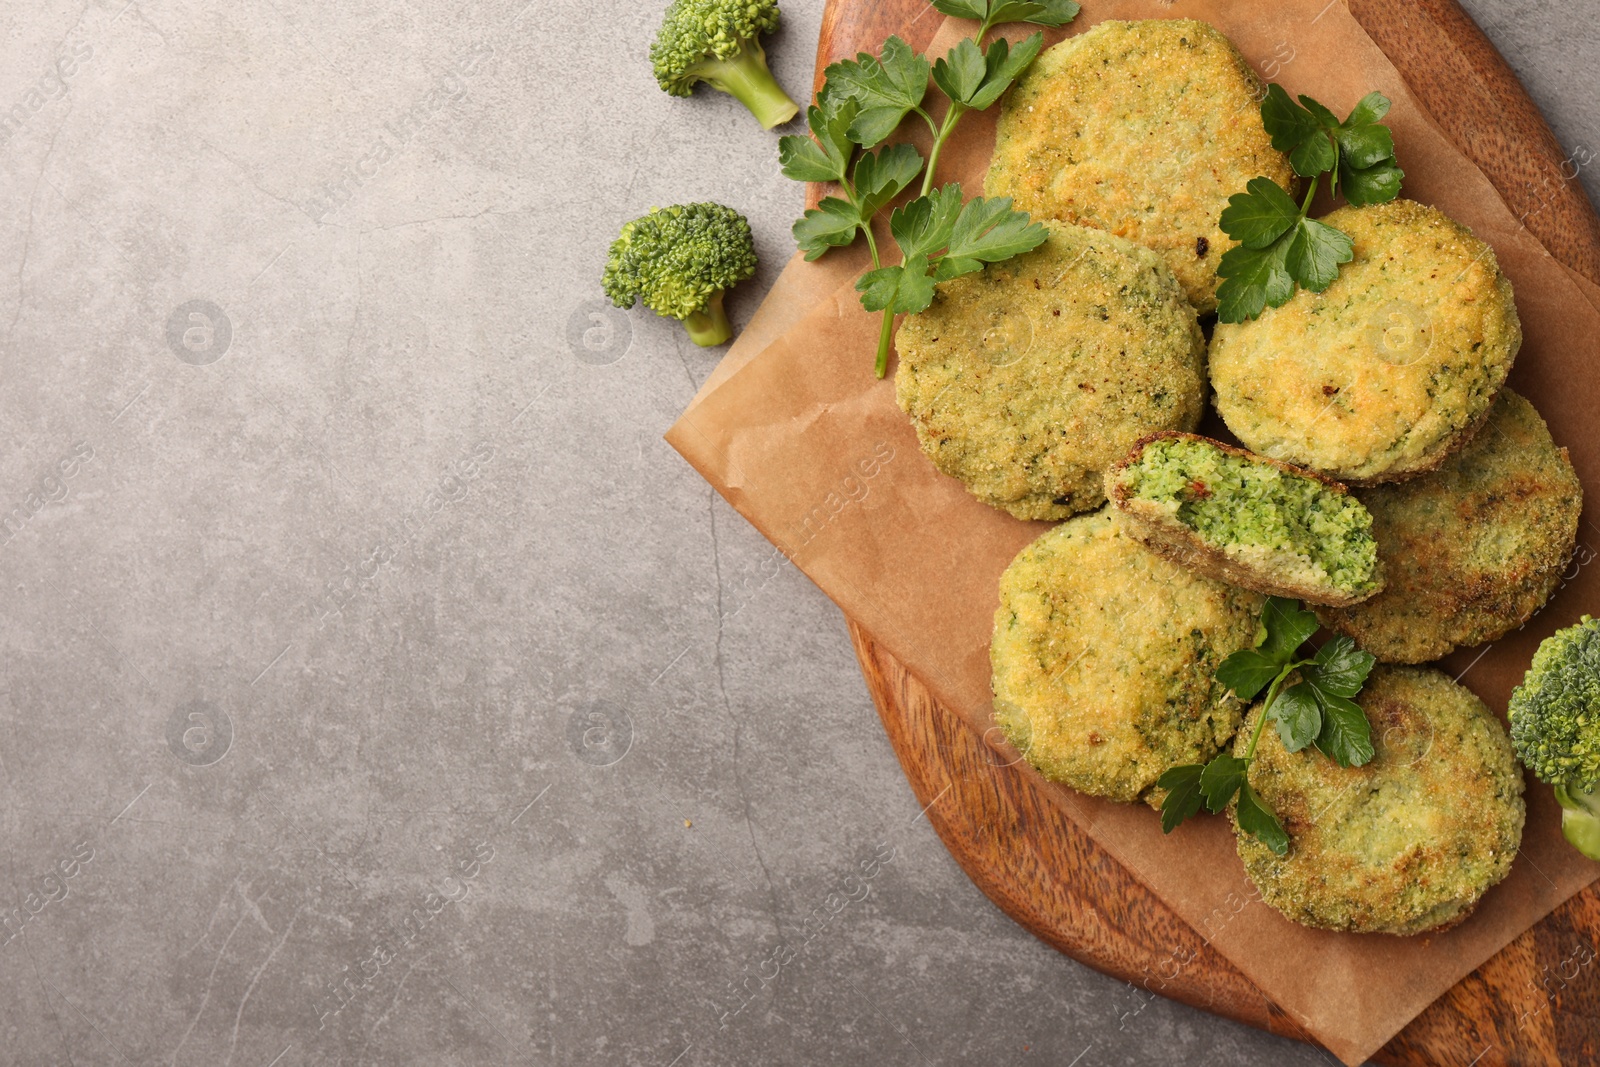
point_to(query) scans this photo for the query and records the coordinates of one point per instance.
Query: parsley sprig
(1318, 709)
(940, 238)
(862, 102)
(1280, 247)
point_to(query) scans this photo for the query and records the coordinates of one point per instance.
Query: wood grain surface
(1538, 1000)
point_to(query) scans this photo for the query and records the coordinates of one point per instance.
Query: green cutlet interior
(1231, 500)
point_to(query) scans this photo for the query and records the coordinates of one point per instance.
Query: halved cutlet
(1246, 519)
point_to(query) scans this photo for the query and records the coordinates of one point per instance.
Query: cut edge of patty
(1177, 542)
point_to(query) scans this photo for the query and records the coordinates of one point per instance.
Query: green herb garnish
(1279, 246)
(1318, 709)
(940, 238)
(874, 180)
(862, 102)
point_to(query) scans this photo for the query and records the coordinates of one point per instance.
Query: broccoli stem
(746, 78)
(1580, 820)
(709, 326)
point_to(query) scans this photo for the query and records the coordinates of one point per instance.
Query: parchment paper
(798, 436)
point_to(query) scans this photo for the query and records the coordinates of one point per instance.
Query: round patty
(1104, 656)
(1409, 842)
(1390, 369)
(1473, 549)
(1143, 129)
(1029, 378)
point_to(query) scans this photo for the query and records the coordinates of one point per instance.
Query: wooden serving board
(1044, 872)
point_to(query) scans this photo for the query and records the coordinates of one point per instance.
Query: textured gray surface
(375, 580)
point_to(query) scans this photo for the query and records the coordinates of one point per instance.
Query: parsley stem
(1266, 708)
(1305, 208)
(885, 339)
(872, 244)
(884, 335)
(946, 128)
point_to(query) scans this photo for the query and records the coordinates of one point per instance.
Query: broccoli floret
(681, 260)
(1555, 727)
(719, 42)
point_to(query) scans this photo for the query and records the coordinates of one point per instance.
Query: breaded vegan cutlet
(1245, 519)
(1409, 842)
(1473, 549)
(1029, 378)
(1391, 368)
(1104, 659)
(1142, 129)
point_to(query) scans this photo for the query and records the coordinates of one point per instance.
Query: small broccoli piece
(1555, 727)
(681, 260)
(719, 42)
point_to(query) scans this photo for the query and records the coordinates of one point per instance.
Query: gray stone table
(376, 687)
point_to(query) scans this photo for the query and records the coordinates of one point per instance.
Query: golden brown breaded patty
(1104, 657)
(1473, 549)
(1409, 842)
(1029, 378)
(1390, 369)
(1143, 129)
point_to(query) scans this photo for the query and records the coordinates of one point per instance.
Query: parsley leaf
(1047, 13)
(988, 230)
(805, 160)
(942, 238)
(1283, 628)
(887, 88)
(1373, 107)
(964, 9)
(833, 223)
(905, 288)
(1252, 280)
(1279, 247)
(1346, 736)
(1256, 819)
(882, 176)
(1260, 215)
(1221, 779)
(876, 179)
(1368, 172)
(1364, 146)
(1295, 130)
(1288, 626)
(974, 79)
(996, 12)
(1315, 252)
(1377, 184)
(961, 72)
(1182, 784)
(827, 158)
(924, 226)
(1337, 674)
(1340, 668)
(1247, 672)
(1298, 716)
